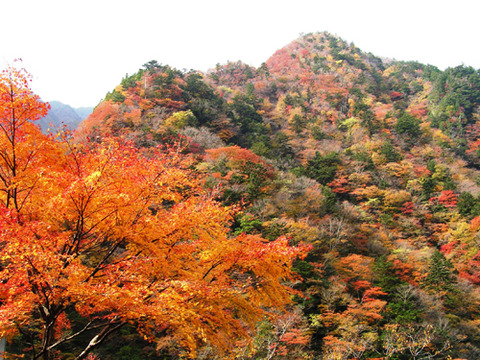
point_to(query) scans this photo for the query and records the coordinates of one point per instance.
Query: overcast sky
(77, 51)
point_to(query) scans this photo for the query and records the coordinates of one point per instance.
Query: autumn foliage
(122, 237)
(171, 214)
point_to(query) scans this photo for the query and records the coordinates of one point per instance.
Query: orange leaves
(23, 148)
(367, 311)
(371, 293)
(129, 236)
(406, 271)
(17, 102)
(356, 270)
(238, 157)
(355, 266)
(475, 224)
(295, 337)
(368, 192)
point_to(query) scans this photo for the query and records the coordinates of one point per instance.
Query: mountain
(372, 162)
(61, 114)
(83, 112)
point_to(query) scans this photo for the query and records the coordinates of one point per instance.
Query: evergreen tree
(440, 277)
(323, 168)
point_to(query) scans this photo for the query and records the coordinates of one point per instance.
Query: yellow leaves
(441, 139)
(92, 178)
(368, 193)
(181, 119)
(293, 113)
(369, 99)
(350, 122)
(360, 178)
(120, 89)
(388, 71)
(379, 159)
(403, 169)
(395, 199)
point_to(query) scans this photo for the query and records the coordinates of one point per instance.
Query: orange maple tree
(120, 236)
(21, 147)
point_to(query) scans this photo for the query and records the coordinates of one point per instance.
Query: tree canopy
(97, 236)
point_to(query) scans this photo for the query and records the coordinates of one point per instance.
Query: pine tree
(440, 277)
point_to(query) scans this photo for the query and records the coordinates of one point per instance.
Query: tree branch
(99, 338)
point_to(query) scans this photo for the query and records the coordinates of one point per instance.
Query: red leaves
(372, 293)
(340, 186)
(447, 198)
(395, 95)
(407, 208)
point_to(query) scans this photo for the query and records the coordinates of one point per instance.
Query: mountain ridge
(61, 114)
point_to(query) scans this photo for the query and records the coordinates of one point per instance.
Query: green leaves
(409, 125)
(323, 168)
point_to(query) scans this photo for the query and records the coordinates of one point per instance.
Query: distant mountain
(61, 114)
(83, 112)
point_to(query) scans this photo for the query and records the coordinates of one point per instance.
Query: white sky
(79, 50)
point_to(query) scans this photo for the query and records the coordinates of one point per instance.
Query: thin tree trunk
(2, 348)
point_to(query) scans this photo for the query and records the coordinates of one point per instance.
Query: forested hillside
(367, 169)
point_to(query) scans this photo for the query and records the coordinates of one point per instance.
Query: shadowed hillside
(61, 114)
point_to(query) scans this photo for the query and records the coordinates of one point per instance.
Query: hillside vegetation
(372, 162)
(372, 165)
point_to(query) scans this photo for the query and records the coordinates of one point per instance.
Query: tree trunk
(2, 347)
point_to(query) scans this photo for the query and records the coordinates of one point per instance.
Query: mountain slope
(372, 162)
(61, 114)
